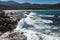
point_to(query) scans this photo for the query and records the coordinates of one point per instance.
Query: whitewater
(36, 31)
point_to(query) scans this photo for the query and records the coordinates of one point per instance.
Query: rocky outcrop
(6, 23)
(12, 36)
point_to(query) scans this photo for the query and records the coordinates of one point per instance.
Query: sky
(37, 1)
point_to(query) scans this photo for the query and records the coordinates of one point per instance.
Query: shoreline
(30, 9)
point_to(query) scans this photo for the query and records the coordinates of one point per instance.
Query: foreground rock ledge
(12, 36)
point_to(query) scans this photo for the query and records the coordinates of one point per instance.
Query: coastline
(30, 9)
(7, 26)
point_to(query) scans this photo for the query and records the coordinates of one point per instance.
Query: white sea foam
(33, 33)
(46, 15)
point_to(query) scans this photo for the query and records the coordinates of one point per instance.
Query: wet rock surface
(12, 36)
(7, 25)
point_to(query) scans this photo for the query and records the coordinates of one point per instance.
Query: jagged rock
(6, 23)
(12, 36)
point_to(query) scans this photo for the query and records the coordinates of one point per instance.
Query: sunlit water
(40, 25)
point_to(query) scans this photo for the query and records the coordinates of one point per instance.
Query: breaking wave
(37, 28)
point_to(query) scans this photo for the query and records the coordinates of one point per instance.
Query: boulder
(6, 23)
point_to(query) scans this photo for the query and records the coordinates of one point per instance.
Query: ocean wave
(46, 15)
(40, 30)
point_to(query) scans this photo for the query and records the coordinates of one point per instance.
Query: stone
(6, 23)
(13, 36)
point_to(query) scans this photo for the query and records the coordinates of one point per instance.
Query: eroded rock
(6, 23)
(13, 36)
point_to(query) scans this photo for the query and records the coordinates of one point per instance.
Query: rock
(56, 16)
(2, 13)
(6, 23)
(12, 36)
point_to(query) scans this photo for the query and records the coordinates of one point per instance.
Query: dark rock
(57, 16)
(6, 23)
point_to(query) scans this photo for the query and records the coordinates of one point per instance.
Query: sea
(40, 24)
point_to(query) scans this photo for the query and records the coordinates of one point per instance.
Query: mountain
(16, 5)
(9, 3)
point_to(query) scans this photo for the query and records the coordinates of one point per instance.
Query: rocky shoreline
(7, 25)
(13, 36)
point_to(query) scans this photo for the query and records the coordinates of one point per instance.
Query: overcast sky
(37, 1)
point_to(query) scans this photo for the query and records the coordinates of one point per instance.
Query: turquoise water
(48, 12)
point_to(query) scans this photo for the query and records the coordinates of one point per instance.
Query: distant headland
(12, 5)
